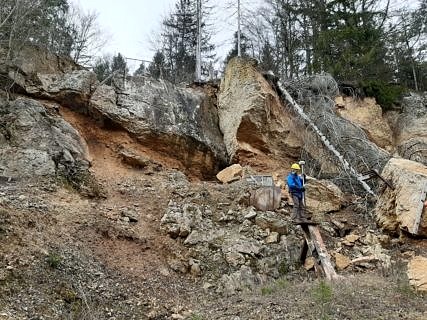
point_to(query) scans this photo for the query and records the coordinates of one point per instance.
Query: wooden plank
(325, 259)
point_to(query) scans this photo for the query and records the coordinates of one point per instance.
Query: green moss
(283, 267)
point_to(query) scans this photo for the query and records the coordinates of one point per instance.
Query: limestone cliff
(179, 123)
(256, 130)
(367, 114)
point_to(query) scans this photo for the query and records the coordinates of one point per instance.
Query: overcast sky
(129, 22)
(132, 23)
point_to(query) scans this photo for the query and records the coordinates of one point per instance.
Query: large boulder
(403, 207)
(368, 115)
(323, 196)
(35, 141)
(178, 122)
(410, 128)
(231, 173)
(417, 273)
(266, 198)
(256, 129)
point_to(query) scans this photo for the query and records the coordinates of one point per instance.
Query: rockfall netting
(315, 95)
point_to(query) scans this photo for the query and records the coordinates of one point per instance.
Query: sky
(134, 24)
(129, 23)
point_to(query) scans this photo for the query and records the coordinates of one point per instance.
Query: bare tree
(88, 38)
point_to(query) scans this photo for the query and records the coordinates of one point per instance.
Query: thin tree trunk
(324, 139)
(415, 76)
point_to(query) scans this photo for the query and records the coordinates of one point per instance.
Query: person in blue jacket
(296, 189)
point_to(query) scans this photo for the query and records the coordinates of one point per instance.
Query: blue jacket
(295, 184)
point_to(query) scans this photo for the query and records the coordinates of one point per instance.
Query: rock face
(417, 273)
(410, 128)
(178, 122)
(367, 114)
(322, 196)
(34, 141)
(255, 128)
(403, 208)
(41, 74)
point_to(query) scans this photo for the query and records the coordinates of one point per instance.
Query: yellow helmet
(295, 166)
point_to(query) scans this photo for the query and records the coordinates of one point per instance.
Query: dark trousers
(298, 210)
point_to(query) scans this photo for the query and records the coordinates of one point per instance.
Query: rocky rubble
(236, 247)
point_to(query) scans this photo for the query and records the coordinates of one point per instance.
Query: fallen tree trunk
(344, 163)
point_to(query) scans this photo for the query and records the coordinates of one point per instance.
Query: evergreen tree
(244, 46)
(141, 70)
(409, 47)
(179, 40)
(118, 64)
(353, 44)
(50, 24)
(267, 61)
(43, 23)
(102, 68)
(157, 67)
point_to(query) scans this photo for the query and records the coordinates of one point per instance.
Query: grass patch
(405, 288)
(196, 316)
(277, 285)
(267, 291)
(54, 260)
(322, 294)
